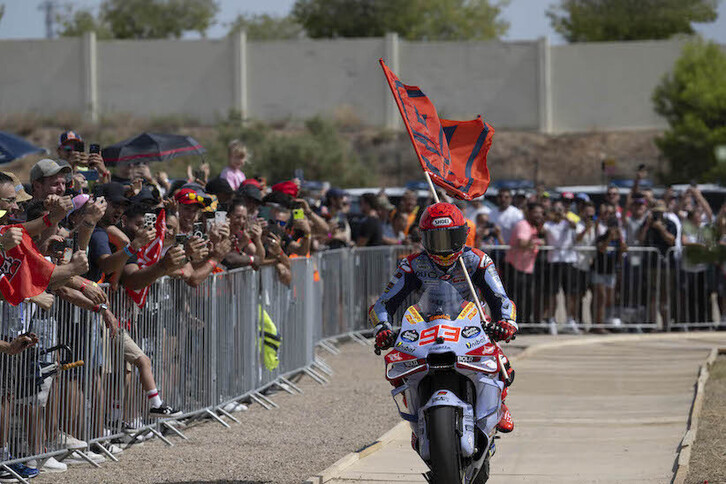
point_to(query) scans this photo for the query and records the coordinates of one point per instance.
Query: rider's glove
(384, 336)
(502, 330)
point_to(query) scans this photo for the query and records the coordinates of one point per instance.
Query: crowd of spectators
(136, 225)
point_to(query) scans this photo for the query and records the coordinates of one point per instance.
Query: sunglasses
(281, 223)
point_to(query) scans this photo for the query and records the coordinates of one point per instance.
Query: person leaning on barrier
(444, 232)
(137, 278)
(246, 234)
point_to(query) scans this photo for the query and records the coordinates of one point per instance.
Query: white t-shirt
(506, 220)
(587, 252)
(561, 236)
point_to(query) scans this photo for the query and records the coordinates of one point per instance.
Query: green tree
(320, 150)
(142, 19)
(412, 19)
(75, 23)
(267, 27)
(612, 20)
(692, 98)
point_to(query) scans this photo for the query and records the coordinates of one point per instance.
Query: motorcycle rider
(443, 232)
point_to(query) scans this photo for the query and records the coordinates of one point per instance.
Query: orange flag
(453, 153)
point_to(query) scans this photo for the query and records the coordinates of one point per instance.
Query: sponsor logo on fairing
(470, 332)
(410, 335)
(476, 342)
(405, 348)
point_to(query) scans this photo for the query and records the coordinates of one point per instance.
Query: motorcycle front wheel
(444, 446)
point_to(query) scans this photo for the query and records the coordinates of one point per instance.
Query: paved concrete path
(603, 412)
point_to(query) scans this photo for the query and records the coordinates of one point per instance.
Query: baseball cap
(251, 191)
(190, 196)
(69, 136)
(583, 196)
(334, 192)
(47, 167)
(659, 206)
(113, 192)
(385, 203)
(568, 195)
(218, 186)
(286, 187)
(78, 202)
(20, 193)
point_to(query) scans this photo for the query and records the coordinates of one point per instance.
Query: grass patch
(708, 458)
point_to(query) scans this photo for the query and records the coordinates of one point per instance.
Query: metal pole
(461, 259)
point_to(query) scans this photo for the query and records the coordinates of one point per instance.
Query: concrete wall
(165, 77)
(605, 86)
(300, 79)
(40, 76)
(498, 80)
(520, 85)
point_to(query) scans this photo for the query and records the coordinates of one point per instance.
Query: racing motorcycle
(448, 378)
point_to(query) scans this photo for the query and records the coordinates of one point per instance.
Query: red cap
(252, 181)
(568, 196)
(287, 187)
(188, 196)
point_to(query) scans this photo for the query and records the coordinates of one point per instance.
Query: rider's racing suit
(419, 270)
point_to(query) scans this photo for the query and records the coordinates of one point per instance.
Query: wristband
(127, 251)
(252, 259)
(213, 263)
(83, 286)
(46, 220)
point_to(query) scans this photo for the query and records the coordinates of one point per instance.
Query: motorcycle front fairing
(443, 335)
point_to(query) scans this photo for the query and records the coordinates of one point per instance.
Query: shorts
(607, 280)
(560, 274)
(132, 352)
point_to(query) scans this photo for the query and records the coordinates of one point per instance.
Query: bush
(318, 149)
(693, 100)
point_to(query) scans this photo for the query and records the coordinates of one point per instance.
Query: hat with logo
(69, 137)
(190, 196)
(47, 167)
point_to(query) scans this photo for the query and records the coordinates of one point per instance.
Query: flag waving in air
(453, 153)
(24, 272)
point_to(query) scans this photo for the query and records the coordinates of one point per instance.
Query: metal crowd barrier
(205, 348)
(695, 292)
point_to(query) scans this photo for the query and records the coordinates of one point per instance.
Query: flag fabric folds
(453, 153)
(24, 272)
(149, 255)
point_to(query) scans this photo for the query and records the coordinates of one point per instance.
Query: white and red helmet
(443, 232)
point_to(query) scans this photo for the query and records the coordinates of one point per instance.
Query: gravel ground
(708, 460)
(287, 445)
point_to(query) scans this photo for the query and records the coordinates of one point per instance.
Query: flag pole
(461, 258)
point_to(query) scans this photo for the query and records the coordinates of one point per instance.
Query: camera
(198, 230)
(94, 148)
(180, 239)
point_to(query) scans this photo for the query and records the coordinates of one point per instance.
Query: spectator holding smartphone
(610, 249)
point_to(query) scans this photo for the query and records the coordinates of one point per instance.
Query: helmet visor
(444, 241)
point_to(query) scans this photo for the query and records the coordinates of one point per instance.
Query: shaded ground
(708, 458)
(307, 433)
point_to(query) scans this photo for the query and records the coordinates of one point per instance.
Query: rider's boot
(506, 423)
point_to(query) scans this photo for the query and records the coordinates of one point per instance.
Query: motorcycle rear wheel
(444, 446)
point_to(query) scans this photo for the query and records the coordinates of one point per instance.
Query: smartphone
(57, 246)
(198, 230)
(220, 217)
(265, 213)
(198, 174)
(79, 146)
(298, 214)
(180, 239)
(94, 148)
(149, 220)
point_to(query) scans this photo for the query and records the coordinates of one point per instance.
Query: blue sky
(24, 20)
